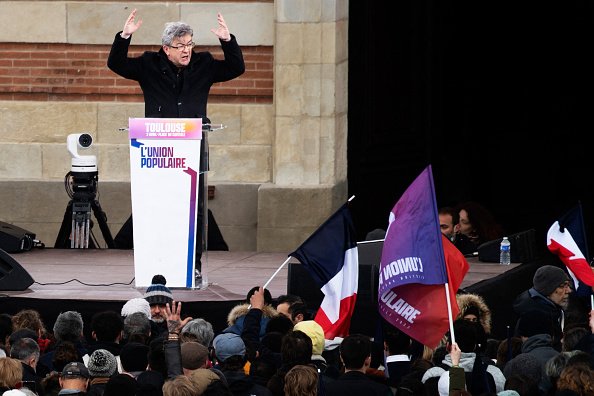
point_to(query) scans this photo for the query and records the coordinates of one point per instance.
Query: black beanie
(534, 322)
(547, 278)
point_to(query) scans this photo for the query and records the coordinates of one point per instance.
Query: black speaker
(523, 248)
(301, 283)
(14, 239)
(13, 277)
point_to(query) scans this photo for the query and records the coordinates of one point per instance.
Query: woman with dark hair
(477, 223)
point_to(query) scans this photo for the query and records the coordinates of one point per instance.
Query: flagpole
(273, 275)
(277, 271)
(452, 336)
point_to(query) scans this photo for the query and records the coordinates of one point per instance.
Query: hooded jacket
(465, 301)
(237, 315)
(533, 300)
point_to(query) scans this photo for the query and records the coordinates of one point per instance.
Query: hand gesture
(455, 354)
(129, 26)
(223, 31)
(257, 299)
(174, 323)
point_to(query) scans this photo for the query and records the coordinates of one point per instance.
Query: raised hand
(172, 315)
(257, 299)
(223, 31)
(130, 27)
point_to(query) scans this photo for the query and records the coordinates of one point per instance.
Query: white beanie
(136, 305)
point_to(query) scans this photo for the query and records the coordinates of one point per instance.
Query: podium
(168, 165)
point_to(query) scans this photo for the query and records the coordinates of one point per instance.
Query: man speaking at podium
(176, 81)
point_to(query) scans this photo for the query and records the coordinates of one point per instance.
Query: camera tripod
(76, 225)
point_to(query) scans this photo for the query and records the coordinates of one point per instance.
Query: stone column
(310, 106)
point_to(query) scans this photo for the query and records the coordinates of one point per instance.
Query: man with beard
(158, 295)
(549, 294)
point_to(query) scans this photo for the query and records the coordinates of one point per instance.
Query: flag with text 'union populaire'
(417, 261)
(330, 255)
(567, 239)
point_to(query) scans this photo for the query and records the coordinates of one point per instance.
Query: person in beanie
(549, 294)
(158, 295)
(102, 365)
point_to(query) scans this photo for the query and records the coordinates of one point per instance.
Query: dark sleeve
(233, 66)
(173, 359)
(457, 379)
(251, 332)
(118, 60)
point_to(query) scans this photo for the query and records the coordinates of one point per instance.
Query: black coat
(167, 93)
(355, 383)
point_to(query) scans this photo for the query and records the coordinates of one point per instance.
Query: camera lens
(85, 140)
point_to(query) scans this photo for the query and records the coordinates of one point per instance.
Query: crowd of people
(274, 347)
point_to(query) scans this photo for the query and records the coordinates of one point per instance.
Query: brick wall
(78, 72)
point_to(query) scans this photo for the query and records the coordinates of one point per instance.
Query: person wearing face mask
(449, 224)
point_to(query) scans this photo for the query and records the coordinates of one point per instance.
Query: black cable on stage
(86, 284)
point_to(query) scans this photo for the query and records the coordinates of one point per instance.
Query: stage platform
(108, 275)
(104, 280)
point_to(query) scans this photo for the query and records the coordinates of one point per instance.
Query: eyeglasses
(184, 46)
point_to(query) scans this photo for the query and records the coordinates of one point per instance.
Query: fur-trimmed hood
(241, 310)
(466, 301)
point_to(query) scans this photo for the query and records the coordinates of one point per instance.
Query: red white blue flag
(567, 239)
(330, 255)
(417, 260)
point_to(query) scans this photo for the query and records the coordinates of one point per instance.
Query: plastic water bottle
(504, 252)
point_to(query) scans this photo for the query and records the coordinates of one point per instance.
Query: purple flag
(413, 251)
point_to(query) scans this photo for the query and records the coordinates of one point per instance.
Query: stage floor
(108, 275)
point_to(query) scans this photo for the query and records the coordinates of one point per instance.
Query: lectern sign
(164, 165)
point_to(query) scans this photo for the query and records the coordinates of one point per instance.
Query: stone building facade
(279, 168)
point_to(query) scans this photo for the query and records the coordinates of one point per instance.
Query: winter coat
(172, 93)
(238, 313)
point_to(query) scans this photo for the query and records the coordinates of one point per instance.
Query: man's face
(283, 309)
(180, 51)
(158, 312)
(448, 228)
(561, 294)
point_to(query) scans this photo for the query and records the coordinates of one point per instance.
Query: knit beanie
(136, 305)
(528, 366)
(315, 332)
(157, 292)
(102, 364)
(547, 278)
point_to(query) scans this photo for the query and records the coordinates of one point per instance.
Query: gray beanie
(547, 278)
(528, 366)
(102, 364)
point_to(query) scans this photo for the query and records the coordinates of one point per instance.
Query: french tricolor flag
(567, 239)
(330, 255)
